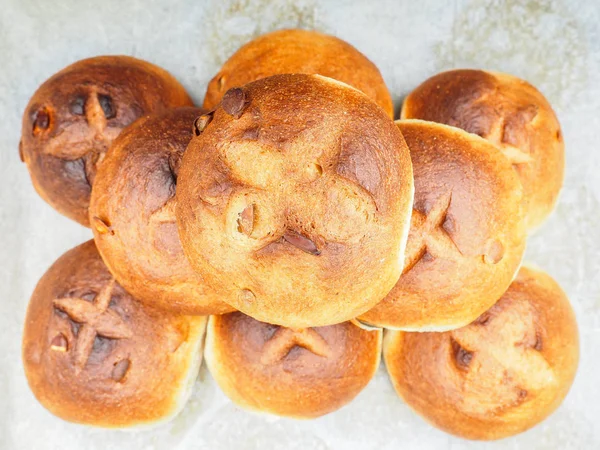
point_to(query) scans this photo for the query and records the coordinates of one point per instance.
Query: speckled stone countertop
(555, 44)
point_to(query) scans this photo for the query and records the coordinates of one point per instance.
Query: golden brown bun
(73, 117)
(499, 376)
(302, 373)
(467, 235)
(299, 51)
(510, 113)
(96, 356)
(132, 212)
(295, 201)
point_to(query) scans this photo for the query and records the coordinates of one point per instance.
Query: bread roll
(132, 212)
(96, 356)
(499, 376)
(74, 116)
(299, 51)
(295, 200)
(467, 235)
(508, 112)
(302, 373)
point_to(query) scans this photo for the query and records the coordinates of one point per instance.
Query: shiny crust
(300, 213)
(511, 114)
(132, 212)
(499, 376)
(467, 235)
(139, 371)
(299, 51)
(74, 116)
(301, 374)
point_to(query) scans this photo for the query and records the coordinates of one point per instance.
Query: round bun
(301, 209)
(302, 373)
(467, 235)
(510, 113)
(499, 376)
(299, 51)
(132, 212)
(75, 115)
(96, 356)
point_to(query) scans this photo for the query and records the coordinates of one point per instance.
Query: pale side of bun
(500, 375)
(510, 113)
(302, 373)
(467, 235)
(300, 212)
(94, 355)
(132, 213)
(75, 115)
(299, 51)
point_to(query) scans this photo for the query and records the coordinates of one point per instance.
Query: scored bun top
(510, 113)
(299, 51)
(94, 355)
(132, 212)
(499, 376)
(302, 373)
(467, 235)
(294, 200)
(73, 117)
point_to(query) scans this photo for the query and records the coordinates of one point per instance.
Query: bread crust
(511, 114)
(94, 355)
(300, 214)
(132, 212)
(467, 235)
(500, 375)
(299, 51)
(73, 117)
(294, 373)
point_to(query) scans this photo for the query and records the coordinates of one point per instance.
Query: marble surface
(553, 44)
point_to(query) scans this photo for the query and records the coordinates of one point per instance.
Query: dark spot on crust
(483, 319)
(246, 220)
(77, 106)
(514, 131)
(558, 135)
(462, 356)
(523, 394)
(41, 120)
(107, 106)
(301, 242)
(538, 343)
(358, 163)
(427, 257)
(235, 102)
(251, 133)
(21, 155)
(449, 225)
(120, 369)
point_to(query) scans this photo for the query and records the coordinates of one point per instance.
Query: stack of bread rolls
(291, 232)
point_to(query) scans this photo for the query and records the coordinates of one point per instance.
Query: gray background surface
(553, 44)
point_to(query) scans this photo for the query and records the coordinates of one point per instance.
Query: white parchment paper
(553, 44)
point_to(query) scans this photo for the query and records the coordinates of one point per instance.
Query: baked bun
(499, 376)
(132, 212)
(299, 51)
(295, 200)
(75, 115)
(302, 373)
(96, 356)
(467, 235)
(510, 113)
